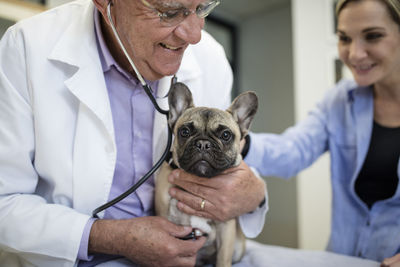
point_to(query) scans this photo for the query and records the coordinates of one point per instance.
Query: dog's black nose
(203, 144)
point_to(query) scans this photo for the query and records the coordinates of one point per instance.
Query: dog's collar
(170, 161)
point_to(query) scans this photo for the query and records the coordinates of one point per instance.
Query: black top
(378, 178)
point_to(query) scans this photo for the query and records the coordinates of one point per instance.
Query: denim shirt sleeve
(286, 154)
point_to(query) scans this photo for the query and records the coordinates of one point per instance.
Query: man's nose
(190, 28)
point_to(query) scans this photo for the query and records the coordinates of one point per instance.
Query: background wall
(266, 66)
(314, 49)
(4, 24)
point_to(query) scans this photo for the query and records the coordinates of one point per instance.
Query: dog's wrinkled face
(207, 140)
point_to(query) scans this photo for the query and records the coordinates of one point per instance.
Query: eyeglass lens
(175, 16)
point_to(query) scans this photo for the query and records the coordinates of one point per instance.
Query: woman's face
(369, 42)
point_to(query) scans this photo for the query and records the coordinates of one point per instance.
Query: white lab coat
(57, 146)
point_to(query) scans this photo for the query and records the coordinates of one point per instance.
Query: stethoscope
(148, 91)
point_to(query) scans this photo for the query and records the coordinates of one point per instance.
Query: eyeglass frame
(184, 11)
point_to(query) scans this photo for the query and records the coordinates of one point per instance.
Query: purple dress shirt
(133, 116)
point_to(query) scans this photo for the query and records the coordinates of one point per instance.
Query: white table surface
(260, 255)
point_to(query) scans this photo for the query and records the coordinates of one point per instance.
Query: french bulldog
(206, 142)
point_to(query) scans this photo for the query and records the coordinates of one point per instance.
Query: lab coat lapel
(94, 152)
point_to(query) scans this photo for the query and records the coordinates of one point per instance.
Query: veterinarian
(77, 130)
(359, 123)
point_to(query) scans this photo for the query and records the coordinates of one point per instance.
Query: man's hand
(391, 262)
(234, 192)
(147, 241)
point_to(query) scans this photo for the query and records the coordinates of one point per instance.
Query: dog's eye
(184, 132)
(226, 135)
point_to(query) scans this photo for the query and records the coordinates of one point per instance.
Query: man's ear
(243, 110)
(179, 99)
(101, 5)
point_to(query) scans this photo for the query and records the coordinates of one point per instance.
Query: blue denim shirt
(341, 123)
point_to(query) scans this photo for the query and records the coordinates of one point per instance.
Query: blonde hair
(393, 7)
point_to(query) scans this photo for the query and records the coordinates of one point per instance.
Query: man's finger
(179, 231)
(190, 247)
(193, 188)
(179, 174)
(188, 210)
(188, 251)
(192, 200)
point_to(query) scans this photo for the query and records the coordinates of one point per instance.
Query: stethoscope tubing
(148, 91)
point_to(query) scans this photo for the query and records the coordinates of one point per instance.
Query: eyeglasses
(174, 13)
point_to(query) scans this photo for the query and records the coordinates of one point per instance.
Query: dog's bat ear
(179, 99)
(243, 110)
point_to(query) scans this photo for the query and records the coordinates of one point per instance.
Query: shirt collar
(106, 58)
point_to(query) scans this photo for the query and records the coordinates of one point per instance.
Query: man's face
(156, 49)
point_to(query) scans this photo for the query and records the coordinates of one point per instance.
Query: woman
(359, 123)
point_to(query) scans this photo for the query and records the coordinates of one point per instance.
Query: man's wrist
(262, 195)
(102, 235)
(260, 206)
